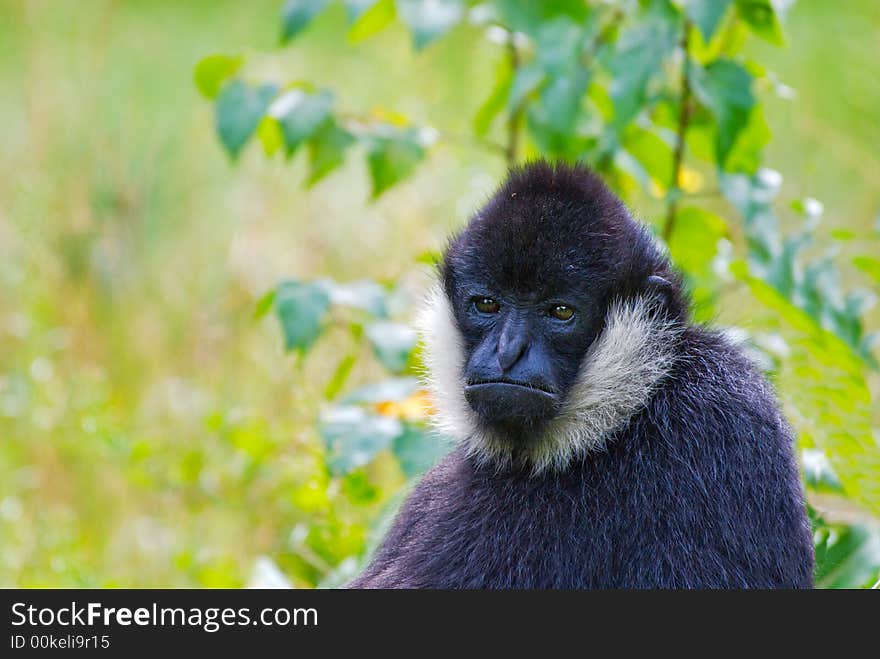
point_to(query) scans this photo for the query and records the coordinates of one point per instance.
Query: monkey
(602, 438)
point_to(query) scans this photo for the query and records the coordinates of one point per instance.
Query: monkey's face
(529, 300)
(522, 352)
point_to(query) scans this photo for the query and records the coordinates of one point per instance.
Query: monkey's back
(699, 490)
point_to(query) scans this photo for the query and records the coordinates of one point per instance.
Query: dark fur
(698, 490)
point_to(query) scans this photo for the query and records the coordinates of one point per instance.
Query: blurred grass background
(150, 431)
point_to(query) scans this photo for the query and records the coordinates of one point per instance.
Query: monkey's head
(554, 321)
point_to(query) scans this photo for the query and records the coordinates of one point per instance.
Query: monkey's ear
(660, 287)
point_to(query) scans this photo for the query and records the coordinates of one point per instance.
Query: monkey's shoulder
(717, 372)
(716, 397)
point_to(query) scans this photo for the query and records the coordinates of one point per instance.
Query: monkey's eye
(486, 305)
(561, 312)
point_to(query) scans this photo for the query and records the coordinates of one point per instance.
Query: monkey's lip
(518, 384)
(507, 402)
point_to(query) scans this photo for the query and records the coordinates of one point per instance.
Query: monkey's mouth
(511, 401)
(537, 386)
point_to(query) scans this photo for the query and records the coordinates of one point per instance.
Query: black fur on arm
(381, 573)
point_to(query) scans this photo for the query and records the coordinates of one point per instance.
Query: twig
(683, 118)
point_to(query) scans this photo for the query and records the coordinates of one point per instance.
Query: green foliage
(327, 148)
(152, 432)
(525, 16)
(213, 71)
(240, 108)
(387, 415)
(707, 15)
(638, 57)
(392, 343)
(812, 285)
(497, 100)
(354, 438)
(847, 556)
(301, 309)
(429, 20)
(726, 88)
(417, 450)
(297, 14)
(761, 16)
(302, 115)
(392, 155)
(369, 17)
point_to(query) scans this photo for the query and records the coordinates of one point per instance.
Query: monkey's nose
(512, 345)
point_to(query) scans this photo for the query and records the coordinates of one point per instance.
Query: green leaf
(327, 150)
(239, 110)
(818, 472)
(752, 195)
(353, 437)
(270, 135)
(392, 155)
(525, 82)
(627, 166)
(358, 488)
(846, 556)
(653, 153)
(559, 103)
(869, 265)
(747, 154)
(301, 308)
(214, 70)
(417, 451)
(429, 19)
(706, 15)
(366, 295)
(560, 43)
(354, 9)
(761, 17)
(528, 16)
(639, 56)
(693, 243)
(301, 115)
(843, 235)
(340, 376)
(392, 344)
(725, 87)
(494, 103)
(264, 304)
(297, 14)
(562, 85)
(431, 257)
(372, 20)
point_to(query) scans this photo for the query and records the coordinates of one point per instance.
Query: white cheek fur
(619, 374)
